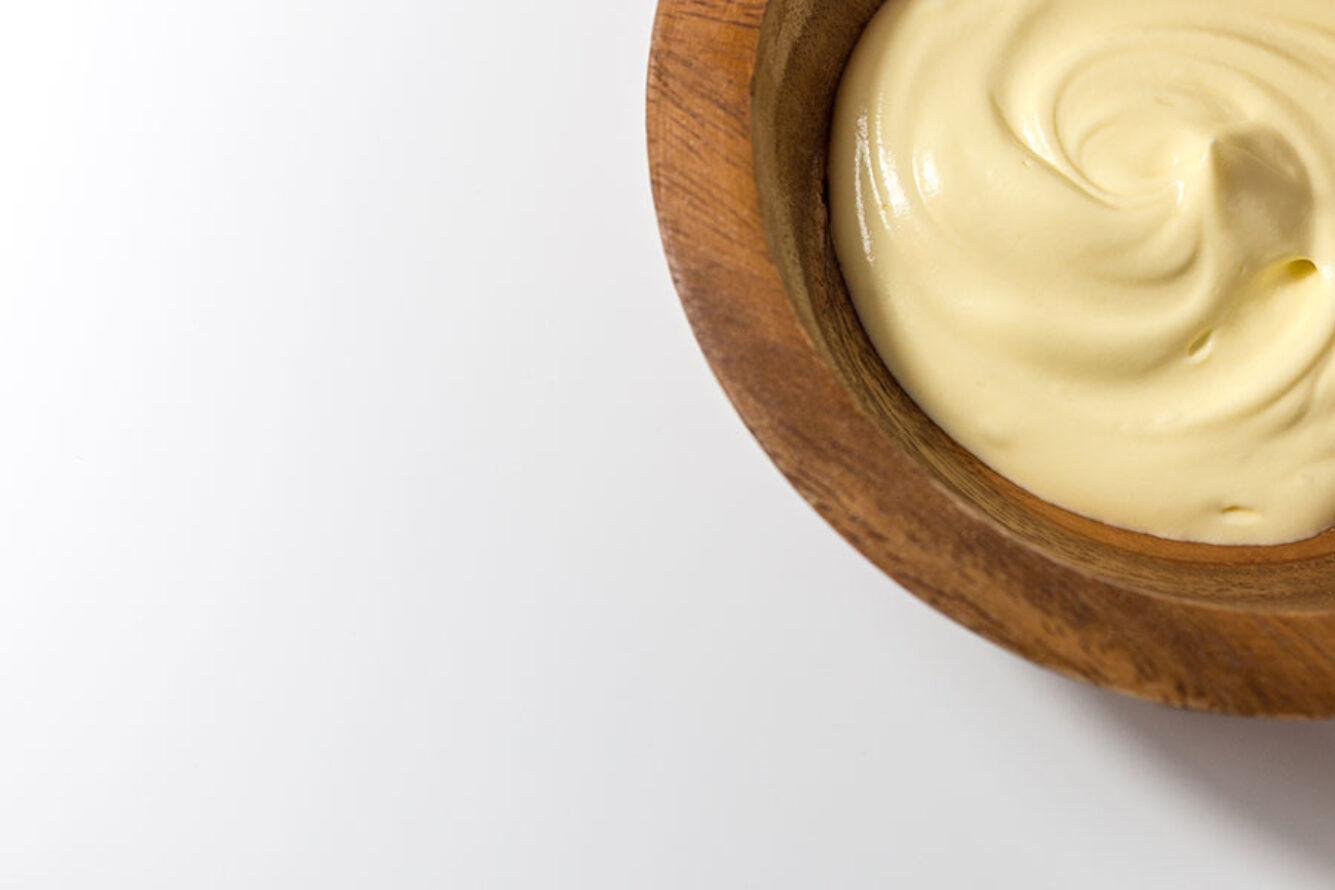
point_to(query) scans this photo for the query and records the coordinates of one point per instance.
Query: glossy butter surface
(1094, 240)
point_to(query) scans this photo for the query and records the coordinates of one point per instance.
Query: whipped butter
(1093, 240)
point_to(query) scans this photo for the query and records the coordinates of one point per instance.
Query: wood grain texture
(1230, 629)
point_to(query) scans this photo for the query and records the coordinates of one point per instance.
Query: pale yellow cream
(1094, 240)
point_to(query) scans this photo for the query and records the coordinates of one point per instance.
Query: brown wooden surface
(1239, 630)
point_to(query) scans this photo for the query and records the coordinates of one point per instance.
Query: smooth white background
(368, 517)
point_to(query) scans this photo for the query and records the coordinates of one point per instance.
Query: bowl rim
(1247, 659)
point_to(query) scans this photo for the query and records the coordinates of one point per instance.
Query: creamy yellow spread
(1093, 239)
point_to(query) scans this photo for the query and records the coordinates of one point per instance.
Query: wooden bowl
(739, 105)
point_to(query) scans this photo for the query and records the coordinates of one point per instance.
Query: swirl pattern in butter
(1094, 240)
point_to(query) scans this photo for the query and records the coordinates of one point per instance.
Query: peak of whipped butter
(1093, 239)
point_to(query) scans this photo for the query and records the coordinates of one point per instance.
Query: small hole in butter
(1201, 347)
(1240, 515)
(1300, 268)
